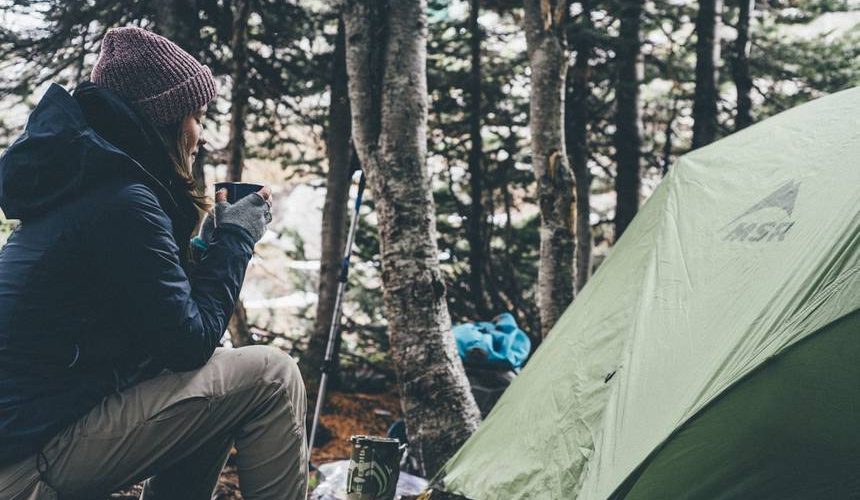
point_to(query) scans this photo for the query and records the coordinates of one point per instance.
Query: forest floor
(345, 414)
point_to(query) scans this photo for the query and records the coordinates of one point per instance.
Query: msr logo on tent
(767, 220)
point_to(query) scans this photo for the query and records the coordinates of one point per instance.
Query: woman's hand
(253, 212)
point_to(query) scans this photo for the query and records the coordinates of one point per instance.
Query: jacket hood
(47, 163)
(72, 143)
(60, 154)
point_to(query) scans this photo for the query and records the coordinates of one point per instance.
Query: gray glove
(251, 212)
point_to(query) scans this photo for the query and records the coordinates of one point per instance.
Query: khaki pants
(178, 429)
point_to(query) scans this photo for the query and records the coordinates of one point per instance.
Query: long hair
(176, 144)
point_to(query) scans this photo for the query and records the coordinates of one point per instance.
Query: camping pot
(237, 190)
(374, 468)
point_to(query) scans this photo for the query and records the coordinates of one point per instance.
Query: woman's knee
(283, 367)
(274, 365)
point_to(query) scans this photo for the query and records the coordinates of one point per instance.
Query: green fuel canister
(374, 468)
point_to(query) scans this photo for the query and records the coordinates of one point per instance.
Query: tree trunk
(545, 42)
(386, 63)
(707, 55)
(741, 65)
(334, 218)
(476, 229)
(178, 20)
(666, 160)
(627, 140)
(239, 332)
(576, 140)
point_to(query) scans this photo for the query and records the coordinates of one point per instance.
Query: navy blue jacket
(95, 293)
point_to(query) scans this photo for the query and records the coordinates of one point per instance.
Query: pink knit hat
(152, 73)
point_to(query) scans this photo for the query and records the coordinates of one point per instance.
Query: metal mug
(237, 190)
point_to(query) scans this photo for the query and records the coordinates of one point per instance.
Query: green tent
(716, 353)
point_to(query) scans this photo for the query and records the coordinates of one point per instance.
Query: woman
(109, 319)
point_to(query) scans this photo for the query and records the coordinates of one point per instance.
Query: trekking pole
(334, 330)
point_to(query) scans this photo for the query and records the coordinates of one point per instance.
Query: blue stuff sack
(498, 344)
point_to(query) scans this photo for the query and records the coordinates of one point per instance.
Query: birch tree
(547, 52)
(576, 120)
(386, 67)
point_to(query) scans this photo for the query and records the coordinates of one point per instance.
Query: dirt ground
(345, 414)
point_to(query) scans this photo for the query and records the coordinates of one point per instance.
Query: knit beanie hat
(153, 74)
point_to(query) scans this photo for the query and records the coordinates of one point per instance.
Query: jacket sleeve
(183, 316)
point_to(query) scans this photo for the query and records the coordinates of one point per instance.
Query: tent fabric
(799, 404)
(747, 247)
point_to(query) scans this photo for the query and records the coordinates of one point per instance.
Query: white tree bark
(545, 41)
(386, 66)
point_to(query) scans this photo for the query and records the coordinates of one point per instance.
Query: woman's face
(192, 130)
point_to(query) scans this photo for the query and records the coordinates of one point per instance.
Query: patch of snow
(293, 300)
